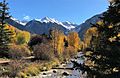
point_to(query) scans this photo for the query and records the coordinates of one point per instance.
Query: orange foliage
(74, 40)
(58, 40)
(60, 43)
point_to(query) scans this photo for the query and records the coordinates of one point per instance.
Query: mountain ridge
(42, 26)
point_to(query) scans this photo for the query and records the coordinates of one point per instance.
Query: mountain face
(38, 27)
(42, 26)
(82, 28)
(14, 22)
(67, 25)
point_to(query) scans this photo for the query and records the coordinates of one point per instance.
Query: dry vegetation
(48, 52)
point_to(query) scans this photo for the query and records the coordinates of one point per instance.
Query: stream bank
(65, 70)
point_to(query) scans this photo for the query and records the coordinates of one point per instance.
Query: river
(65, 70)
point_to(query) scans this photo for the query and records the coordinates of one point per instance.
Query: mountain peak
(47, 19)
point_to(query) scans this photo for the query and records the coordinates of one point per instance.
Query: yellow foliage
(100, 23)
(23, 37)
(88, 35)
(74, 40)
(110, 26)
(12, 30)
(32, 70)
(27, 36)
(112, 39)
(118, 34)
(60, 43)
(58, 40)
(18, 36)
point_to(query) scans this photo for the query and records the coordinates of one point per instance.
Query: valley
(54, 46)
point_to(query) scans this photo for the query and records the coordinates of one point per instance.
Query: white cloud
(26, 18)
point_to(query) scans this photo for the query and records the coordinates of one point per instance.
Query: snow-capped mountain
(42, 26)
(47, 20)
(38, 27)
(67, 25)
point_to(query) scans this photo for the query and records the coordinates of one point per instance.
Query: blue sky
(75, 11)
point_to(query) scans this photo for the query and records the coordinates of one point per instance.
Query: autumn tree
(13, 31)
(22, 37)
(88, 36)
(74, 40)
(57, 37)
(5, 34)
(60, 42)
(53, 34)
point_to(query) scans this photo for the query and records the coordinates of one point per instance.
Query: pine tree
(5, 34)
(104, 52)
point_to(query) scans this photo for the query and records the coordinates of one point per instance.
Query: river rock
(54, 71)
(44, 74)
(65, 74)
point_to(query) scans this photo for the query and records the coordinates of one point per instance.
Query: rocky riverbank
(66, 70)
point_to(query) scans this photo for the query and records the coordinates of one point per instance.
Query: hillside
(42, 26)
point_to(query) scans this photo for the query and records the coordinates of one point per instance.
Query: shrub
(15, 67)
(19, 51)
(43, 52)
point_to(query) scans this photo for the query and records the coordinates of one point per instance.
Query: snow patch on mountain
(16, 20)
(47, 20)
(67, 25)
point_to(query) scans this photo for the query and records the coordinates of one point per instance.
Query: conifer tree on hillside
(5, 34)
(104, 52)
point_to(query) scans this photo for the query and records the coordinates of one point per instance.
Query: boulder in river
(65, 74)
(54, 71)
(44, 74)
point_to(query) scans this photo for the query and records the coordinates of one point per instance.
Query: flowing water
(64, 73)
